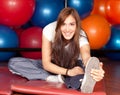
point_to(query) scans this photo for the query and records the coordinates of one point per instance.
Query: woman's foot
(88, 82)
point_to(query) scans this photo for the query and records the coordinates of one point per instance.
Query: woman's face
(68, 27)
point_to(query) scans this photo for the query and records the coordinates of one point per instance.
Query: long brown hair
(60, 55)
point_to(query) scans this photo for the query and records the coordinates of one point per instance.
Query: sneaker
(55, 78)
(61, 78)
(88, 82)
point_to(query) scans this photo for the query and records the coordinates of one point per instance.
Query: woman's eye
(72, 24)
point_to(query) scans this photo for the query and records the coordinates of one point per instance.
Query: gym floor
(112, 75)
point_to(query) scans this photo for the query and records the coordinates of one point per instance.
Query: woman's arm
(46, 58)
(85, 53)
(51, 67)
(96, 74)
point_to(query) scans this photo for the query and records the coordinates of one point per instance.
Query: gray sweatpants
(33, 69)
(28, 68)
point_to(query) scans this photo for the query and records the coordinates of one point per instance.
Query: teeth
(67, 33)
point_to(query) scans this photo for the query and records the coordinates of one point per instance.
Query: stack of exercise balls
(13, 13)
(46, 11)
(110, 10)
(24, 20)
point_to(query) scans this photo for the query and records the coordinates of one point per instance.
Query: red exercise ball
(97, 29)
(113, 11)
(31, 38)
(16, 12)
(99, 7)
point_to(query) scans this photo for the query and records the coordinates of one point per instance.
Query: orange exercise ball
(99, 7)
(113, 11)
(97, 29)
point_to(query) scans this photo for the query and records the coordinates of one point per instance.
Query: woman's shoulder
(49, 30)
(82, 32)
(51, 26)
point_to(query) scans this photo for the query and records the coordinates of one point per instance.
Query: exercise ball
(99, 7)
(84, 7)
(46, 11)
(113, 11)
(31, 38)
(114, 43)
(97, 29)
(8, 39)
(16, 12)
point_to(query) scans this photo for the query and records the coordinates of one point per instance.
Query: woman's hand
(75, 71)
(98, 74)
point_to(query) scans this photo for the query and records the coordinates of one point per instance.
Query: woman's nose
(67, 27)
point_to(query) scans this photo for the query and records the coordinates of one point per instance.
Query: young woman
(65, 56)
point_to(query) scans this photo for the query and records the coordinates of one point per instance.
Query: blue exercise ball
(114, 43)
(84, 7)
(46, 11)
(8, 39)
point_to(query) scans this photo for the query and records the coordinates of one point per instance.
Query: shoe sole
(88, 82)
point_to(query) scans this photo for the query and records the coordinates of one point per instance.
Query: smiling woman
(65, 56)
